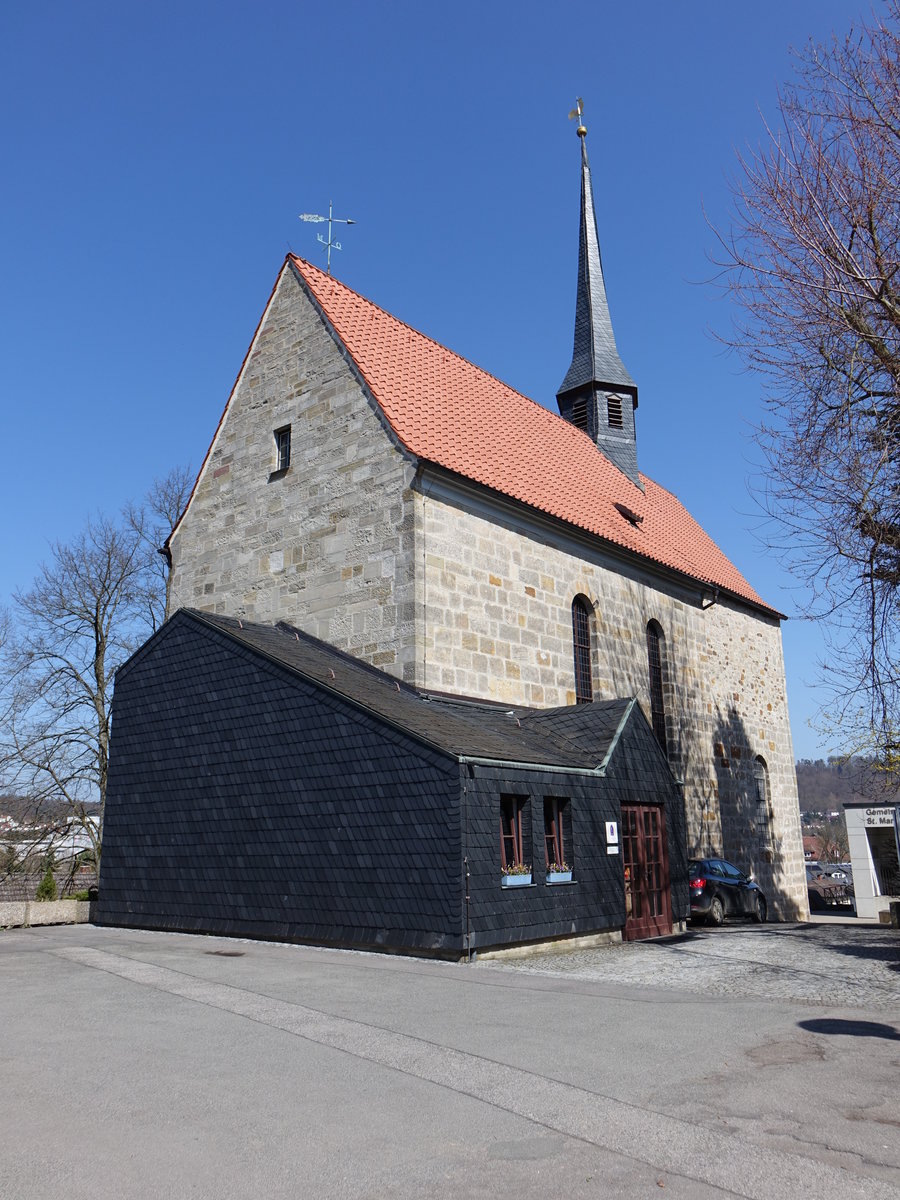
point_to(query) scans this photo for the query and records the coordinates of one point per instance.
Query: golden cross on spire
(576, 113)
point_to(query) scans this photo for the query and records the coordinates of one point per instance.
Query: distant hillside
(825, 784)
(22, 809)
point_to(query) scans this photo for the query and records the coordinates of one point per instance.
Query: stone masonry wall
(327, 544)
(457, 592)
(496, 600)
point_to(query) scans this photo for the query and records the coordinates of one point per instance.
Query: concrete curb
(14, 913)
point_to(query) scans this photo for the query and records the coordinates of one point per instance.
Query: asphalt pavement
(748, 1061)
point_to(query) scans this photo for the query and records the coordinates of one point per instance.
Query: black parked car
(720, 890)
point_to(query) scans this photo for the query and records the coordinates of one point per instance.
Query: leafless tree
(833, 841)
(812, 261)
(92, 604)
(153, 521)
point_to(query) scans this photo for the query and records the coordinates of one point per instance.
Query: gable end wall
(327, 545)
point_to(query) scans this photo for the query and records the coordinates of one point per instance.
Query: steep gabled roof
(447, 411)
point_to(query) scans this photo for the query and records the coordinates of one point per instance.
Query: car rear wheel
(716, 912)
(759, 914)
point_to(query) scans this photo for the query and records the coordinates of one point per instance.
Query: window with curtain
(512, 831)
(557, 833)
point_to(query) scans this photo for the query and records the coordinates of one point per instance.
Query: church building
(364, 486)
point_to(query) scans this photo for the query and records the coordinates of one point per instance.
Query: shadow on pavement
(834, 1025)
(867, 942)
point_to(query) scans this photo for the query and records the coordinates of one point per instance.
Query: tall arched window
(657, 702)
(761, 777)
(581, 637)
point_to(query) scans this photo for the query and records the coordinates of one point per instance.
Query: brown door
(648, 906)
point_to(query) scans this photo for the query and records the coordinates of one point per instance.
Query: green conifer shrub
(47, 887)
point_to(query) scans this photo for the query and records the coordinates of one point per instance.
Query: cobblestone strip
(834, 967)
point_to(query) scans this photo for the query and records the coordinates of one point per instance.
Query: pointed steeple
(597, 394)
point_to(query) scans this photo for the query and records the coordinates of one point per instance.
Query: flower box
(559, 876)
(515, 880)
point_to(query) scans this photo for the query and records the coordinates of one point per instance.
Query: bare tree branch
(91, 605)
(813, 262)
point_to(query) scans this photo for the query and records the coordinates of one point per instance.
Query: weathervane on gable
(577, 113)
(328, 243)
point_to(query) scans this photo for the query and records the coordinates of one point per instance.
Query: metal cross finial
(315, 218)
(576, 113)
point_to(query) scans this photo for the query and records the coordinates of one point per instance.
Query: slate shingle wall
(595, 900)
(244, 801)
(504, 916)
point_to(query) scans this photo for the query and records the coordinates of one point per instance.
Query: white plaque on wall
(612, 832)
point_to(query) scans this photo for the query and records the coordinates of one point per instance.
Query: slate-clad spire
(597, 394)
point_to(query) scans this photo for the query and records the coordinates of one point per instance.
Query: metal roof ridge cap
(482, 761)
(623, 721)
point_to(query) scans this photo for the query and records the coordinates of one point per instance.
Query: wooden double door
(645, 859)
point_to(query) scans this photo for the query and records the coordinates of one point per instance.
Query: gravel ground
(838, 965)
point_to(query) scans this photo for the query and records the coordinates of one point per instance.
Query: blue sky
(156, 157)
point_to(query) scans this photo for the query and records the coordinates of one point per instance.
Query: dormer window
(629, 514)
(614, 412)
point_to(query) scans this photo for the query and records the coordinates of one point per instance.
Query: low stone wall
(44, 912)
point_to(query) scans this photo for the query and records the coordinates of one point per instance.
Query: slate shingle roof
(447, 411)
(595, 356)
(579, 736)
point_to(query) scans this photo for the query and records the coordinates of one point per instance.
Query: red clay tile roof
(447, 411)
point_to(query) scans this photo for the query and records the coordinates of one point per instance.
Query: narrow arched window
(761, 778)
(657, 701)
(581, 637)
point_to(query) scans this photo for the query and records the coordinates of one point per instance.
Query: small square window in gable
(282, 448)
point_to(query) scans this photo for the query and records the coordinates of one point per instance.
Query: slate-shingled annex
(268, 785)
